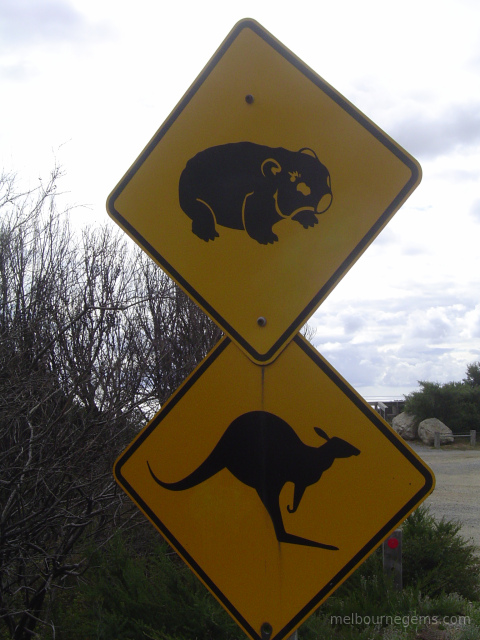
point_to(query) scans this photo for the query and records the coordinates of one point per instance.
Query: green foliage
(473, 374)
(130, 597)
(472, 631)
(436, 559)
(130, 594)
(364, 605)
(441, 576)
(457, 404)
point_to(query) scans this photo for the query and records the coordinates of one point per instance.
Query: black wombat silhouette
(264, 452)
(248, 186)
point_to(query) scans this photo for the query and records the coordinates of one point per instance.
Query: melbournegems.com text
(404, 621)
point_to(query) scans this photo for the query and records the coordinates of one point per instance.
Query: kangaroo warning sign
(260, 190)
(272, 498)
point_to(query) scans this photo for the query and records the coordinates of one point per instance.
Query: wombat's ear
(270, 166)
(321, 433)
(308, 152)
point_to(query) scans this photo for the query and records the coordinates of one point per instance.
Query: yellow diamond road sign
(273, 498)
(261, 190)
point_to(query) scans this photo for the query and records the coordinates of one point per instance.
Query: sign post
(265, 469)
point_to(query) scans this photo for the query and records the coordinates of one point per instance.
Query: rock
(427, 429)
(405, 424)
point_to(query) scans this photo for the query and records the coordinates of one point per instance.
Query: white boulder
(405, 424)
(427, 429)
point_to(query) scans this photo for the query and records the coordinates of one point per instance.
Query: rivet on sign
(261, 321)
(249, 98)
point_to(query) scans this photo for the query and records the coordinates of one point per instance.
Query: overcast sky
(87, 83)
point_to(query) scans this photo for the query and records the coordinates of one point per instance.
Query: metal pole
(392, 558)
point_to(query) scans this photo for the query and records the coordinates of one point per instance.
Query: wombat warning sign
(260, 190)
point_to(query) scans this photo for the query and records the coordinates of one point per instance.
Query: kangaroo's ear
(321, 433)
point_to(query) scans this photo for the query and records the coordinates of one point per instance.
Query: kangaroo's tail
(206, 470)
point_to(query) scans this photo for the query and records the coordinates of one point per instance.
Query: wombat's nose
(324, 203)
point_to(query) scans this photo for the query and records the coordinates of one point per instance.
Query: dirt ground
(457, 490)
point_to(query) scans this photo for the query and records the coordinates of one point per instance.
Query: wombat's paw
(306, 218)
(266, 237)
(204, 231)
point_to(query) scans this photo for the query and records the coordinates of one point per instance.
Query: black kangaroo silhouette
(264, 452)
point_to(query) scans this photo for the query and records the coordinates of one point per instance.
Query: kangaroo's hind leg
(272, 505)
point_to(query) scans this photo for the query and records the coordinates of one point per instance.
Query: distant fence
(472, 435)
(388, 409)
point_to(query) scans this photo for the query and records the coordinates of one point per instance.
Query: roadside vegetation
(132, 594)
(93, 339)
(456, 404)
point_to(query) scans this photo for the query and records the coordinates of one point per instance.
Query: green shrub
(129, 597)
(457, 404)
(132, 594)
(441, 574)
(436, 559)
(472, 630)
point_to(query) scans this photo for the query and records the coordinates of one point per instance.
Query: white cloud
(475, 210)
(392, 350)
(471, 325)
(26, 23)
(427, 135)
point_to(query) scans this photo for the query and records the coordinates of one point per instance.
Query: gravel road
(457, 490)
